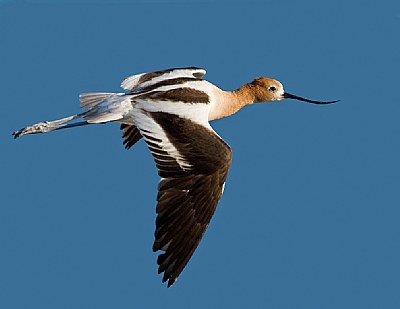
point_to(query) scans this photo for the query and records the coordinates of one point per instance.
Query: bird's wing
(183, 85)
(193, 162)
(140, 81)
(130, 134)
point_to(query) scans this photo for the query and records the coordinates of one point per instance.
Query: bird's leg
(48, 126)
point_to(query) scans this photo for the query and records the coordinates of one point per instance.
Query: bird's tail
(104, 107)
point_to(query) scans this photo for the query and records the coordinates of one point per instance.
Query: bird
(171, 110)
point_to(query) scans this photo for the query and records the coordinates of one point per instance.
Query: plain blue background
(310, 214)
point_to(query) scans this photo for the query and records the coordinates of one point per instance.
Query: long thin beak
(295, 97)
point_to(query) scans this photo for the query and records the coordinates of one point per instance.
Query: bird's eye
(272, 88)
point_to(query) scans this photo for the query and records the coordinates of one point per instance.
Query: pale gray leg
(48, 126)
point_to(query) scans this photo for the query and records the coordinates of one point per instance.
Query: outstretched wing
(193, 162)
(140, 81)
(149, 85)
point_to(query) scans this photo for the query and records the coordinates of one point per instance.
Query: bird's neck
(230, 102)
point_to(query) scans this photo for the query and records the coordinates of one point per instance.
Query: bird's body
(184, 93)
(171, 110)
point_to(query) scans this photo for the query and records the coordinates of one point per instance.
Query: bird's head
(269, 90)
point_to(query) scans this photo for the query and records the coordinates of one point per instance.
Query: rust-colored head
(269, 90)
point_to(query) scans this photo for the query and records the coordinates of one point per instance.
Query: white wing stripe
(170, 75)
(134, 81)
(154, 134)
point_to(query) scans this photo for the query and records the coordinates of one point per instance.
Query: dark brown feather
(187, 198)
(183, 94)
(130, 134)
(149, 76)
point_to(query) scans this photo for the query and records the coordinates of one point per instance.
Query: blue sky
(310, 213)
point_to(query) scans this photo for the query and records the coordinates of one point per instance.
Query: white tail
(104, 107)
(89, 100)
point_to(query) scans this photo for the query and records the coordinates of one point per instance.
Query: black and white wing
(146, 82)
(193, 162)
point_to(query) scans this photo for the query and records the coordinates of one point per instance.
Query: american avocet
(171, 110)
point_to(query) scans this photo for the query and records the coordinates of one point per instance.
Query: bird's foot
(40, 127)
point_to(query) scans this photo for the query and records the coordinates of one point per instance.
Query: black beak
(295, 97)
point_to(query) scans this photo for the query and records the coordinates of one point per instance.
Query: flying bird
(171, 109)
